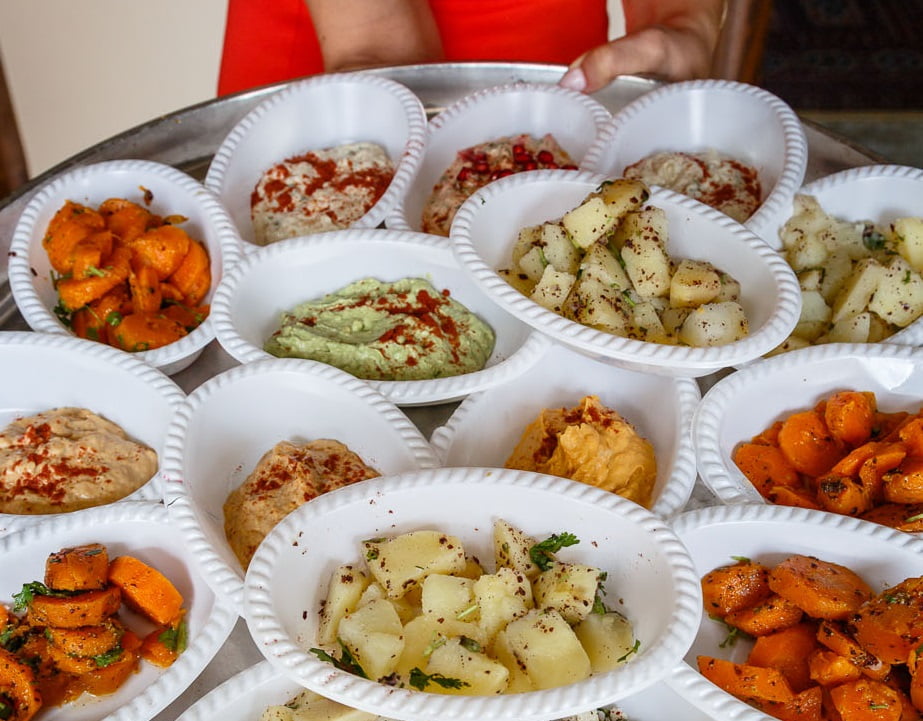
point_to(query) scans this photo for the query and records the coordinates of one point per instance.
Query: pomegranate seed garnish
(545, 156)
(463, 175)
(531, 165)
(481, 167)
(518, 148)
(569, 166)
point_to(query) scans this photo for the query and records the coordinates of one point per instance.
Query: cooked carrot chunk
(81, 568)
(820, 588)
(146, 590)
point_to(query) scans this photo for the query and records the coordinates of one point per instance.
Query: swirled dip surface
(717, 180)
(478, 165)
(401, 330)
(287, 476)
(320, 190)
(66, 459)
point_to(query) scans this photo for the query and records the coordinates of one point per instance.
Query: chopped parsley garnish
(113, 318)
(6, 709)
(438, 640)
(542, 554)
(346, 662)
(30, 590)
(470, 644)
(175, 639)
(872, 239)
(741, 559)
(420, 680)
(633, 649)
(465, 613)
(906, 279)
(109, 657)
(915, 517)
(94, 271)
(62, 314)
(732, 635)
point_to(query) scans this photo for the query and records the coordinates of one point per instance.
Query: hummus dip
(287, 476)
(592, 444)
(66, 459)
(394, 331)
(478, 165)
(717, 180)
(318, 191)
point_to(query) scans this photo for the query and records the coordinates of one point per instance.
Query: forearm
(369, 33)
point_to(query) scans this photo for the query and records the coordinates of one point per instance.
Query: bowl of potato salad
(472, 593)
(855, 241)
(642, 277)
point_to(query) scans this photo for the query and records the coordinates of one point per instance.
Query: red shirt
(267, 42)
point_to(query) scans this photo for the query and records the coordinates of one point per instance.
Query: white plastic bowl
(244, 696)
(735, 119)
(648, 572)
(174, 193)
(44, 371)
(320, 112)
(250, 301)
(140, 529)
(876, 193)
(223, 428)
(883, 557)
(574, 119)
(487, 225)
(745, 403)
(487, 426)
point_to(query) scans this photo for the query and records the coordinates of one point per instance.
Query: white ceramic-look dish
(44, 371)
(735, 119)
(489, 222)
(648, 572)
(487, 426)
(171, 191)
(769, 534)
(251, 299)
(876, 193)
(747, 402)
(245, 696)
(313, 114)
(139, 529)
(223, 428)
(574, 119)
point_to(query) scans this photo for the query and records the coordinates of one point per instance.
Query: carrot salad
(827, 648)
(65, 636)
(125, 276)
(845, 456)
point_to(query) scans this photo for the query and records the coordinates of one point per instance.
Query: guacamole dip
(398, 331)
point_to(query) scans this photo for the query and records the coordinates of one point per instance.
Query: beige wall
(80, 71)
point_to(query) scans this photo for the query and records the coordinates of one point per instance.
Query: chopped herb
(6, 710)
(470, 644)
(626, 294)
(906, 279)
(732, 635)
(878, 706)
(62, 313)
(95, 272)
(438, 640)
(872, 239)
(541, 256)
(542, 554)
(30, 590)
(109, 657)
(741, 559)
(462, 615)
(144, 345)
(6, 634)
(175, 639)
(346, 662)
(633, 649)
(916, 517)
(420, 680)
(113, 318)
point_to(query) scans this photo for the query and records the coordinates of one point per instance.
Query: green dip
(400, 331)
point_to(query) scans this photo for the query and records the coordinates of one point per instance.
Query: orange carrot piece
(746, 682)
(770, 615)
(805, 706)
(164, 644)
(770, 436)
(835, 636)
(90, 608)
(829, 668)
(808, 444)
(78, 292)
(889, 626)
(143, 331)
(163, 248)
(17, 684)
(850, 416)
(125, 219)
(86, 640)
(146, 590)
(70, 225)
(850, 464)
(789, 651)
(190, 318)
(866, 700)
(765, 466)
(731, 588)
(844, 494)
(91, 253)
(907, 517)
(821, 588)
(108, 679)
(192, 277)
(904, 484)
(80, 568)
(144, 285)
(911, 435)
(796, 497)
(886, 459)
(889, 425)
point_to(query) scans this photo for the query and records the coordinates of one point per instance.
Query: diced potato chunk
(588, 222)
(607, 638)
(373, 634)
(858, 290)
(402, 562)
(511, 549)
(501, 597)
(908, 233)
(346, 587)
(559, 250)
(623, 195)
(694, 283)
(553, 288)
(546, 647)
(480, 674)
(898, 297)
(714, 324)
(568, 588)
